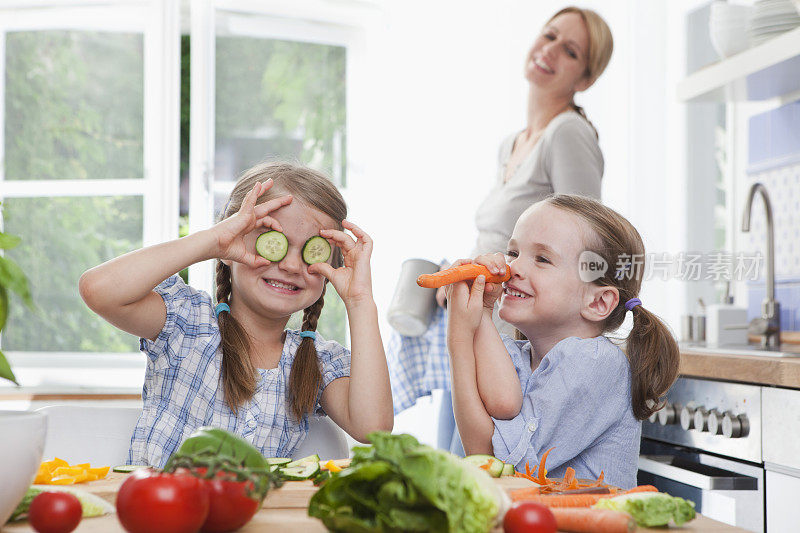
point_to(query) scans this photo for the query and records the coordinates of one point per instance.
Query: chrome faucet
(769, 325)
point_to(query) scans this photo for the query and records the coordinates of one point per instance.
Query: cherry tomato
(152, 502)
(229, 505)
(55, 512)
(529, 517)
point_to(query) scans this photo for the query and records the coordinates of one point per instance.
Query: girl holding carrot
(567, 387)
(233, 365)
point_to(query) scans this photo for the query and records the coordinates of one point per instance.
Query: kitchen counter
(285, 509)
(757, 369)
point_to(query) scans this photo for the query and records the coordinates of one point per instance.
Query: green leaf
(8, 242)
(12, 277)
(5, 370)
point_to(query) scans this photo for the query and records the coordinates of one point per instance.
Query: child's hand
(353, 281)
(496, 263)
(232, 231)
(465, 305)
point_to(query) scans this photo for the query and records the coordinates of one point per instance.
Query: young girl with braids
(565, 386)
(234, 365)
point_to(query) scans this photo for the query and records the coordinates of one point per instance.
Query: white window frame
(159, 23)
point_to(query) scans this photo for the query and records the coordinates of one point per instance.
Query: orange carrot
(535, 494)
(593, 521)
(460, 273)
(557, 500)
(641, 488)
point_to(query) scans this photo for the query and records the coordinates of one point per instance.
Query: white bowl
(797, 6)
(21, 447)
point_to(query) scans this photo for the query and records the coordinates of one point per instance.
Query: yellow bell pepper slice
(59, 472)
(332, 467)
(100, 472)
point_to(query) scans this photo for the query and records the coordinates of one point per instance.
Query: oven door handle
(660, 466)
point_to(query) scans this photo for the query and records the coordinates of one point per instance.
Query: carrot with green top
(461, 273)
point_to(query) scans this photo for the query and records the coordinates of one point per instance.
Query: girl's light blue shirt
(182, 389)
(578, 402)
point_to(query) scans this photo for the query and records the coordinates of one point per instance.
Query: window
(104, 150)
(81, 154)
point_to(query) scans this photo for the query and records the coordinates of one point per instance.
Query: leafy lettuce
(651, 509)
(398, 484)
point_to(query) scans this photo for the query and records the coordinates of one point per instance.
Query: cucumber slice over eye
(316, 250)
(272, 245)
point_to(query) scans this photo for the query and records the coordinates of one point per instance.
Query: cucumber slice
(316, 250)
(495, 465)
(278, 461)
(302, 462)
(508, 470)
(298, 473)
(272, 245)
(127, 469)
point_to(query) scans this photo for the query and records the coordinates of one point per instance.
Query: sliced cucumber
(508, 470)
(316, 250)
(298, 473)
(302, 462)
(278, 461)
(495, 465)
(127, 469)
(272, 245)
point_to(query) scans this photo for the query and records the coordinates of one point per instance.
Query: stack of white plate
(770, 18)
(727, 27)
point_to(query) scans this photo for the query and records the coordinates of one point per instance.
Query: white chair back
(325, 439)
(89, 434)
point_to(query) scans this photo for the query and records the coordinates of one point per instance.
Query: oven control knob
(701, 419)
(687, 417)
(714, 422)
(734, 426)
(666, 415)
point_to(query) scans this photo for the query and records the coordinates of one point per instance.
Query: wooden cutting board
(285, 509)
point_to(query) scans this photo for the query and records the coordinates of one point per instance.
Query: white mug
(412, 306)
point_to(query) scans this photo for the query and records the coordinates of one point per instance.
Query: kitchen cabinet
(766, 71)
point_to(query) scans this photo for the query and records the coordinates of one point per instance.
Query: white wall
(445, 86)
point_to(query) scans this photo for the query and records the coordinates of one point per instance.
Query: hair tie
(308, 335)
(220, 308)
(633, 302)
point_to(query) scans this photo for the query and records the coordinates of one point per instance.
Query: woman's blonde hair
(239, 376)
(601, 46)
(651, 348)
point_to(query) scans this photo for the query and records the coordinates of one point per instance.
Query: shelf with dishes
(767, 70)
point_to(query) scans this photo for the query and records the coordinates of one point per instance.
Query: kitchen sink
(743, 349)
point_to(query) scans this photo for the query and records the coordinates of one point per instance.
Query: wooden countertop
(285, 509)
(757, 369)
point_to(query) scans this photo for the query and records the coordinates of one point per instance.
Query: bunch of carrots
(570, 500)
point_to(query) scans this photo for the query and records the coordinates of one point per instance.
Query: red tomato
(152, 502)
(529, 517)
(229, 507)
(55, 512)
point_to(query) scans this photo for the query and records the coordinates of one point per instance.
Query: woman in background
(556, 152)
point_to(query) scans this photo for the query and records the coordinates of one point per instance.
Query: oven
(704, 445)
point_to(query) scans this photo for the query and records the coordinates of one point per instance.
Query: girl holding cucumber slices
(576, 271)
(280, 240)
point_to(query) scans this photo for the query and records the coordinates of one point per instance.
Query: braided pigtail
(305, 378)
(237, 373)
